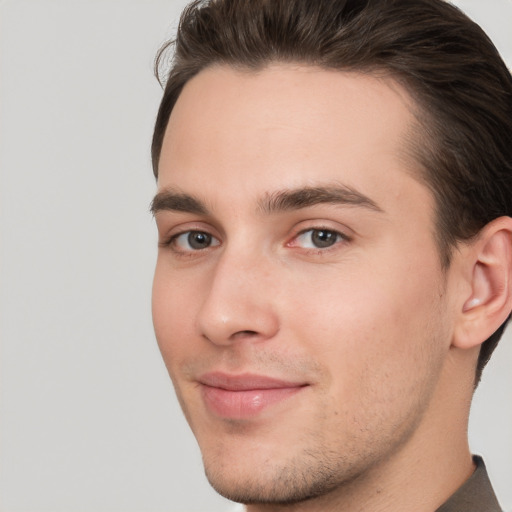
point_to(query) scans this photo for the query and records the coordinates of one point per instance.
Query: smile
(244, 396)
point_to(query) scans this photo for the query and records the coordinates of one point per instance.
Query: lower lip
(246, 403)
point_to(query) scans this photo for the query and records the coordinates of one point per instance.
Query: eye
(193, 241)
(318, 238)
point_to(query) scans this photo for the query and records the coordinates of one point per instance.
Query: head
(311, 128)
(461, 87)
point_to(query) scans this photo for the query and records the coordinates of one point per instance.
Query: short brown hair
(462, 87)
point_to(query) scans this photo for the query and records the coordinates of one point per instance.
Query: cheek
(366, 325)
(381, 348)
(172, 310)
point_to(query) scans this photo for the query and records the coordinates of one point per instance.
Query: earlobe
(490, 300)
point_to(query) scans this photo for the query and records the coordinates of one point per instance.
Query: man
(335, 248)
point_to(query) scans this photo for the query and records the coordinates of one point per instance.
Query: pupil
(198, 240)
(323, 238)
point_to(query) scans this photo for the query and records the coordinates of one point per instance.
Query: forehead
(288, 126)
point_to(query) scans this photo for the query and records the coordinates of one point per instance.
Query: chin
(270, 481)
(285, 487)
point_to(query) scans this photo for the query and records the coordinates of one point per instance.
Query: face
(299, 301)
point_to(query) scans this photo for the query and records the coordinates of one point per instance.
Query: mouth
(244, 396)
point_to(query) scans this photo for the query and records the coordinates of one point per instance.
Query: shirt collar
(475, 495)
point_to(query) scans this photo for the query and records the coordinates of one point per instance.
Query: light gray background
(88, 419)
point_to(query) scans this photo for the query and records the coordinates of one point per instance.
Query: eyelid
(319, 226)
(168, 235)
(173, 241)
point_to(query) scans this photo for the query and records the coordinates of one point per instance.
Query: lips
(244, 396)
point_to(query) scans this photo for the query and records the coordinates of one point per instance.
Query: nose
(239, 304)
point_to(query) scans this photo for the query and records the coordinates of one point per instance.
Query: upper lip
(245, 382)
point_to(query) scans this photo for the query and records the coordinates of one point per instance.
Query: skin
(366, 324)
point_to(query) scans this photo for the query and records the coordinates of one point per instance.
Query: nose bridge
(239, 301)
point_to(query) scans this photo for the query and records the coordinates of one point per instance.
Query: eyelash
(171, 242)
(338, 238)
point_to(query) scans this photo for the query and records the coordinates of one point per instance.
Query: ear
(489, 301)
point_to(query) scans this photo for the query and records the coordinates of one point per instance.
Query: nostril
(244, 334)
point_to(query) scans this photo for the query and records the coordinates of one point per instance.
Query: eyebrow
(304, 197)
(280, 201)
(176, 201)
